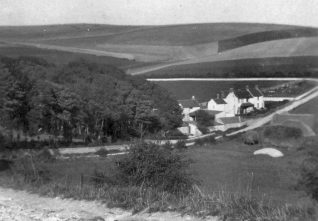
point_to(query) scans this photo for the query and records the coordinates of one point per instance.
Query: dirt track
(22, 206)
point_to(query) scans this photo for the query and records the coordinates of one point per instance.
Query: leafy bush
(149, 165)
(102, 152)
(205, 140)
(175, 134)
(180, 145)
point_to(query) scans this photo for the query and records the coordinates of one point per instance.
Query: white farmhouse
(244, 100)
(238, 102)
(257, 97)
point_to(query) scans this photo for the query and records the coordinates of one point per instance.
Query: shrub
(251, 138)
(180, 145)
(205, 140)
(102, 152)
(175, 134)
(149, 165)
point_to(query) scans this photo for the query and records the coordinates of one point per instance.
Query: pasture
(231, 166)
(310, 107)
(243, 67)
(205, 90)
(253, 38)
(194, 42)
(177, 35)
(63, 57)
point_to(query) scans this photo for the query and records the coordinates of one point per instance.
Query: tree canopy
(81, 99)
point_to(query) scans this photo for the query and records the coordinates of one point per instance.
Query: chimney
(193, 97)
(222, 94)
(218, 96)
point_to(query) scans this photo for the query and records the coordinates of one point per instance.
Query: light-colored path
(22, 206)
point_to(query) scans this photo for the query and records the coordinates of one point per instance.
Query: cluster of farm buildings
(225, 108)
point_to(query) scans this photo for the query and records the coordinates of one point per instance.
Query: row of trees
(81, 99)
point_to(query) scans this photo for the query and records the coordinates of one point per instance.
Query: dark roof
(189, 103)
(230, 120)
(219, 101)
(255, 92)
(247, 105)
(210, 112)
(242, 94)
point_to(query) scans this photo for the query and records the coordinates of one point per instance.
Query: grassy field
(25, 33)
(233, 183)
(62, 57)
(259, 37)
(158, 43)
(310, 107)
(231, 166)
(205, 90)
(189, 34)
(250, 65)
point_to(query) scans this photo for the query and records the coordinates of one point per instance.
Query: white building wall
(232, 106)
(214, 106)
(258, 102)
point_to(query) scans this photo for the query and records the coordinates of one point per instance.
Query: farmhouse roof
(219, 101)
(210, 112)
(230, 120)
(189, 103)
(241, 94)
(255, 92)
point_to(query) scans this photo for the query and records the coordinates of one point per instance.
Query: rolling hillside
(173, 48)
(260, 37)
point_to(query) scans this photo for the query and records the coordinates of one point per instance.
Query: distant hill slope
(260, 37)
(26, 33)
(240, 67)
(179, 35)
(174, 45)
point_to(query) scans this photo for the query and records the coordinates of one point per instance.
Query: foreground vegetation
(152, 178)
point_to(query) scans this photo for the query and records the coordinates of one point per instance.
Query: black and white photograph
(158, 110)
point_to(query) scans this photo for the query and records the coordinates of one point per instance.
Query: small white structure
(188, 106)
(270, 152)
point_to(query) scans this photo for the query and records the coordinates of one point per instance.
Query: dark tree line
(81, 100)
